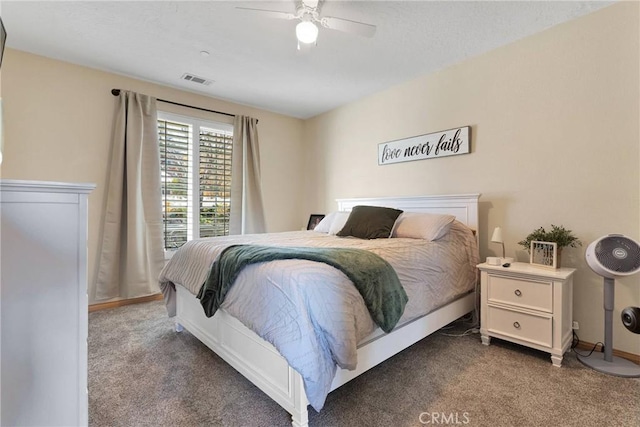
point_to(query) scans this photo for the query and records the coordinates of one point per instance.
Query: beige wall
(555, 140)
(58, 120)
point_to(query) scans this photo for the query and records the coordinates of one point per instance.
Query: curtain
(247, 214)
(132, 252)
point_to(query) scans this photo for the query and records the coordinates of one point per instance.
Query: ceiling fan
(308, 13)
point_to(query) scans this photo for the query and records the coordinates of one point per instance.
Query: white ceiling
(253, 59)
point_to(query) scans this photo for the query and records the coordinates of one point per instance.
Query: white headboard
(463, 206)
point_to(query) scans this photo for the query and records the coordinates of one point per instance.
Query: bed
(258, 359)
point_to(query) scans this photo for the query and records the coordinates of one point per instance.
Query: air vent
(196, 79)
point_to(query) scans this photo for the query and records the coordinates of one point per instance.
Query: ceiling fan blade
(348, 26)
(270, 13)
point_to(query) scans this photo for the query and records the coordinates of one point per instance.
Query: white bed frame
(261, 363)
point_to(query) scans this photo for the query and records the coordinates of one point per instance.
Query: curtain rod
(116, 92)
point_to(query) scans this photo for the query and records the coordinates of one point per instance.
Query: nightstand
(527, 305)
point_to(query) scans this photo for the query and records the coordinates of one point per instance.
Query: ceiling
(253, 59)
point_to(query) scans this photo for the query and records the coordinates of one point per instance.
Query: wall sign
(439, 144)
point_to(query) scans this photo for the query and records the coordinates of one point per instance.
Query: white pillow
(325, 224)
(428, 226)
(338, 222)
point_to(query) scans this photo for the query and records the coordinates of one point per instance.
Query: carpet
(143, 373)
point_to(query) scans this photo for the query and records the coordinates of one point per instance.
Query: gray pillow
(370, 222)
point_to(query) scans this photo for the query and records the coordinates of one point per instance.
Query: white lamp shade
(497, 235)
(307, 32)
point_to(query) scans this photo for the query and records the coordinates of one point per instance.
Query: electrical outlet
(575, 326)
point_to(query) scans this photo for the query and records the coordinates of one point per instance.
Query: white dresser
(528, 305)
(43, 303)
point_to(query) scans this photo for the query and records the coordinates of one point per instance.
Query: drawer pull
(516, 325)
(518, 293)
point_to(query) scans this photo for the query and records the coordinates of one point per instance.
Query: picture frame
(544, 254)
(314, 220)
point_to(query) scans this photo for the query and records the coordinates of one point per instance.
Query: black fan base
(617, 366)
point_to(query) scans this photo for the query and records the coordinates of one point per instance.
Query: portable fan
(612, 256)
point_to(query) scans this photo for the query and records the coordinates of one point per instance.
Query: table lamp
(497, 238)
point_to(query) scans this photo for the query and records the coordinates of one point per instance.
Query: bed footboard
(249, 354)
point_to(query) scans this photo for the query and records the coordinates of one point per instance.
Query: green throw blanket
(374, 278)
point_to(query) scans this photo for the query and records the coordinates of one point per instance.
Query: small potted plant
(558, 234)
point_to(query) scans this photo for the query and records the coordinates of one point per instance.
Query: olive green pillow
(370, 222)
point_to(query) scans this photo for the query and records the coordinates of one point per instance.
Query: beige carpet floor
(142, 373)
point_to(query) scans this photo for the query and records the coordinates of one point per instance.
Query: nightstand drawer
(532, 294)
(524, 326)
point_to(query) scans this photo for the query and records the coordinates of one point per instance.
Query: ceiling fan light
(307, 32)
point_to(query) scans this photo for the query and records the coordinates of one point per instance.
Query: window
(195, 168)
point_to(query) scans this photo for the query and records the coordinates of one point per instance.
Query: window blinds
(196, 181)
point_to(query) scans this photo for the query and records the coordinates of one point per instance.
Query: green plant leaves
(557, 234)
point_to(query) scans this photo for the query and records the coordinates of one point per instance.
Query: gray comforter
(372, 276)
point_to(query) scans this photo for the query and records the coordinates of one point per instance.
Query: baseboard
(635, 358)
(123, 302)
